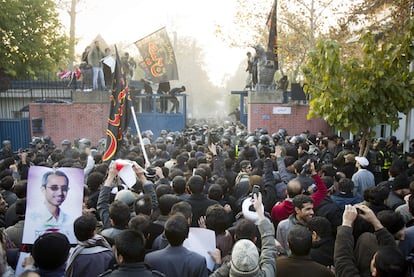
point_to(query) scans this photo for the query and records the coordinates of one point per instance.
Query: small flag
(272, 42)
(125, 172)
(159, 57)
(119, 112)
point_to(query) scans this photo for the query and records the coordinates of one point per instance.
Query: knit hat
(400, 182)
(244, 259)
(50, 250)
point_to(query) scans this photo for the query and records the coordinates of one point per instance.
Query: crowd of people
(279, 205)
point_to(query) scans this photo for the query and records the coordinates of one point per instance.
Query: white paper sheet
(202, 241)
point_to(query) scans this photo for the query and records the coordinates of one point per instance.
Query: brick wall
(262, 115)
(69, 121)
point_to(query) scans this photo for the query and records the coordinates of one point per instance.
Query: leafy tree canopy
(359, 93)
(33, 39)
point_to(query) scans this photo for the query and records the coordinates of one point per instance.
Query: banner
(272, 42)
(158, 55)
(119, 112)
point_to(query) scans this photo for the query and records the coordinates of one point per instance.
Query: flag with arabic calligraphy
(272, 42)
(119, 111)
(158, 55)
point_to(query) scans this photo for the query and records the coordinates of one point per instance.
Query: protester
(95, 57)
(296, 194)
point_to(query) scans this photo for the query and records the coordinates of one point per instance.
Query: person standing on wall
(95, 57)
(174, 100)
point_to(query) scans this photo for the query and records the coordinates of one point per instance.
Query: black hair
(191, 163)
(84, 227)
(163, 189)
(7, 182)
(305, 146)
(223, 183)
(20, 188)
(207, 169)
(298, 165)
(140, 223)
(21, 207)
(345, 185)
(301, 199)
(390, 262)
(215, 192)
(289, 160)
(174, 172)
(329, 170)
(300, 240)
(165, 203)
(184, 208)
(94, 180)
(228, 163)
(391, 220)
(321, 226)
(216, 219)
(131, 245)
(201, 172)
(176, 229)
(328, 181)
(245, 229)
(196, 184)
(119, 213)
(143, 205)
(179, 184)
(376, 195)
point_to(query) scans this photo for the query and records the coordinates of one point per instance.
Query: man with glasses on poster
(55, 186)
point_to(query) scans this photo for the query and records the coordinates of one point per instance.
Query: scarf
(97, 240)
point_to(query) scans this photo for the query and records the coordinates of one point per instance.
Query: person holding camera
(245, 258)
(386, 261)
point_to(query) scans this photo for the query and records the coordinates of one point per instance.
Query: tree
(380, 17)
(33, 39)
(357, 94)
(299, 22)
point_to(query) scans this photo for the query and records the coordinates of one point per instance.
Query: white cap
(362, 161)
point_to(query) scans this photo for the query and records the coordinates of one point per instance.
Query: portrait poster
(54, 201)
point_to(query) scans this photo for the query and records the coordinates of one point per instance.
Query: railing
(159, 103)
(15, 95)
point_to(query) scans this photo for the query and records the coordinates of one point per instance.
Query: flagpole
(147, 163)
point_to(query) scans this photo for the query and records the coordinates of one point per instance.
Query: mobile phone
(256, 190)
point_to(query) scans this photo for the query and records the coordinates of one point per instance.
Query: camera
(306, 169)
(256, 190)
(151, 173)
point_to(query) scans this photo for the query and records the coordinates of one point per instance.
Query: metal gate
(17, 131)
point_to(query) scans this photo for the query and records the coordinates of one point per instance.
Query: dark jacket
(328, 209)
(199, 204)
(344, 250)
(132, 270)
(322, 251)
(341, 200)
(301, 266)
(177, 261)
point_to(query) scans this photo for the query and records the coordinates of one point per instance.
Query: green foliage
(360, 93)
(33, 40)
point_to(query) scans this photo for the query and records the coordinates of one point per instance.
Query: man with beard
(303, 213)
